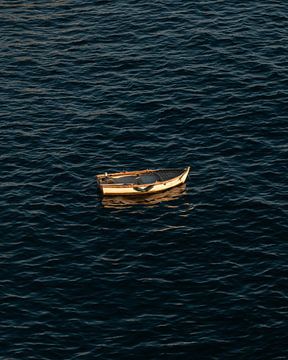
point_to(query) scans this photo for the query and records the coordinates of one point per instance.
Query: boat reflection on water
(153, 199)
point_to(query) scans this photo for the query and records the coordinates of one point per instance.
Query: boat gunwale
(140, 171)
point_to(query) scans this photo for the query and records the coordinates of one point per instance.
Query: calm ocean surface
(95, 86)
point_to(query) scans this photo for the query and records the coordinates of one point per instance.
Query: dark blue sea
(103, 86)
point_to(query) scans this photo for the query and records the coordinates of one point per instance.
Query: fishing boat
(141, 182)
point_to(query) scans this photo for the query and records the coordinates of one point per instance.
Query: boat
(141, 182)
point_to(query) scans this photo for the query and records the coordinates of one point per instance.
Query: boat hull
(121, 201)
(144, 189)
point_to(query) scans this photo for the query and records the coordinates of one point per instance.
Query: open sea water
(98, 86)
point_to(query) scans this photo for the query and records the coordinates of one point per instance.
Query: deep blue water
(94, 86)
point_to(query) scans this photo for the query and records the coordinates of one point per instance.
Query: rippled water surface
(95, 86)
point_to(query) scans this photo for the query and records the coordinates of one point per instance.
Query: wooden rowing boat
(141, 182)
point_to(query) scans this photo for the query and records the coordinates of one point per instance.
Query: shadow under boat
(152, 199)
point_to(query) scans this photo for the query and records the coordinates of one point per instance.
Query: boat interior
(141, 179)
